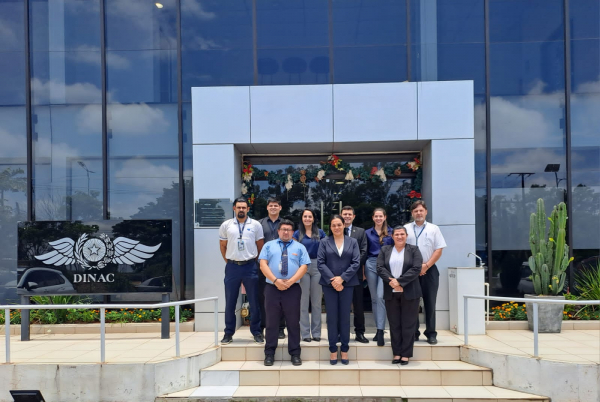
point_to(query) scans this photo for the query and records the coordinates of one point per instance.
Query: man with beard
(241, 240)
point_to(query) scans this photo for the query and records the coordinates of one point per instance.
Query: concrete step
(362, 372)
(373, 393)
(246, 350)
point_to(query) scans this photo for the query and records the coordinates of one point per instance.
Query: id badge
(279, 266)
(241, 246)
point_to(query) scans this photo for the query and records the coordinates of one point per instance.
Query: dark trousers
(338, 316)
(403, 316)
(262, 281)
(430, 282)
(282, 303)
(235, 275)
(358, 309)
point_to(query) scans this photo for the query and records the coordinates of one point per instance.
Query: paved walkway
(577, 346)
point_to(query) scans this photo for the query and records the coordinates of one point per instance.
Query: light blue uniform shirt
(297, 256)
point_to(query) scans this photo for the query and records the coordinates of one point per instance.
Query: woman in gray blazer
(399, 267)
(338, 260)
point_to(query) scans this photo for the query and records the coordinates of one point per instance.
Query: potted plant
(548, 262)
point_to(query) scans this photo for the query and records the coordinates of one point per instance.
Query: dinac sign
(102, 257)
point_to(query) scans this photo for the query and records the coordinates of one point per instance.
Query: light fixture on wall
(158, 5)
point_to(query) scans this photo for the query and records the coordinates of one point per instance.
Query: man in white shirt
(241, 240)
(430, 241)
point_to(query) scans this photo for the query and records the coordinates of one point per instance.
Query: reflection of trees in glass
(54, 206)
(11, 180)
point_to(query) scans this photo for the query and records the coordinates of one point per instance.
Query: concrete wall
(433, 117)
(561, 381)
(106, 382)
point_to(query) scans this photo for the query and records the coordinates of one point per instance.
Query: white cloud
(56, 92)
(194, 7)
(8, 36)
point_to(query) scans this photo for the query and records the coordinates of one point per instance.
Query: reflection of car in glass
(44, 281)
(526, 284)
(156, 284)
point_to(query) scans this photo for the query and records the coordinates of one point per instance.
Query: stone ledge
(520, 325)
(94, 328)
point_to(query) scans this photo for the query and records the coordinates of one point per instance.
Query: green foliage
(77, 316)
(549, 251)
(588, 284)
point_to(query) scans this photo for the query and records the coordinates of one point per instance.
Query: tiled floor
(577, 346)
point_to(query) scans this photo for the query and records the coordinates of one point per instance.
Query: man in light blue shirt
(283, 262)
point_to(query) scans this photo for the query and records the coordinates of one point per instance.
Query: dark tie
(284, 260)
(347, 231)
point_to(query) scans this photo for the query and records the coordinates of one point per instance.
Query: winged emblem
(97, 252)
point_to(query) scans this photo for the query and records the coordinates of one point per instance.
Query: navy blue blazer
(330, 263)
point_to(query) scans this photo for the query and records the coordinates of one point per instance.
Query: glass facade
(95, 107)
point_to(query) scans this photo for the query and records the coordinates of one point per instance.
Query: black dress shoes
(281, 334)
(296, 360)
(432, 340)
(226, 339)
(306, 340)
(360, 337)
(316, 339)
(396, 361)
(269, 360)
(379, 336)
(258, 338)
(403, 362)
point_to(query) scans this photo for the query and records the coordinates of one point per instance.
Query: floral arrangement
(333, 164)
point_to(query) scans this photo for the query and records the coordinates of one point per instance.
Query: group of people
(298, 268)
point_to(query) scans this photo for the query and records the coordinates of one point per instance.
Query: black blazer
(330, 263)
(361, 237)
(409, 280)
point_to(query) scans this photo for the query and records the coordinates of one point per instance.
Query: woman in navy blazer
(338, 260)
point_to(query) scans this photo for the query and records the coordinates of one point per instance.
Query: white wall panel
(375, 112)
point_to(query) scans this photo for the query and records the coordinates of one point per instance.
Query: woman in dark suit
(338, 260)
(399, 266)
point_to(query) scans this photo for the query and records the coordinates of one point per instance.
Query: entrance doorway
(327, 183)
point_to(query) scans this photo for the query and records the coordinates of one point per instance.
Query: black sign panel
(99, 257)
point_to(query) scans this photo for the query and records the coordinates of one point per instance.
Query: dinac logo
(96, 253)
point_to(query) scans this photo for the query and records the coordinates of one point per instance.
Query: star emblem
(94, 249)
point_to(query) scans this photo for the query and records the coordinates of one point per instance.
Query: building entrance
(327, 183)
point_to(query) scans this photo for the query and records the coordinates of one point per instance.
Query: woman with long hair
(399, 267)
(310, 236)
(378, 236)
(338, 260)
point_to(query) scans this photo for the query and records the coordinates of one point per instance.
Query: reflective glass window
(13, 140)
(369, 41)
(216, 44)
(585, 131)
(527, 124)
(66, 109)
(142, 115)
(292, 23)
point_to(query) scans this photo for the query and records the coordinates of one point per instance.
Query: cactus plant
(549, 251)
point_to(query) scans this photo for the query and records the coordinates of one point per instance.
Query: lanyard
(421, 232)
(242, 228)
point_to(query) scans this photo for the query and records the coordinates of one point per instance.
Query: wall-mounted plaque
(211, 213)
(99, 257)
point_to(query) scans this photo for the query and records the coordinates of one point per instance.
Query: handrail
(103, 308)
(522, 300)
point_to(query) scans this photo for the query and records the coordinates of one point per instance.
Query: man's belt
(240, 262)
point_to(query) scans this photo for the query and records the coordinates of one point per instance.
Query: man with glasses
(241, 240)
(283, 262)
(269, 224)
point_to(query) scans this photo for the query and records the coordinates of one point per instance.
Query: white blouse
(340, 249)
(397, 262)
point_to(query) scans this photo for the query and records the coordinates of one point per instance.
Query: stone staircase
(434, 373)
